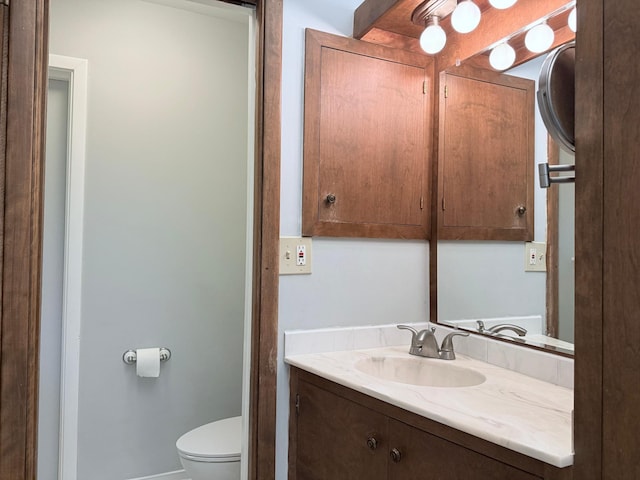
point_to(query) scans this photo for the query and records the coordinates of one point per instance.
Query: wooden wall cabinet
(337, 433)
(367, 140)
(486, 156)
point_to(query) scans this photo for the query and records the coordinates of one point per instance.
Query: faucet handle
(407, 327)
(446, 351)
(416, 346)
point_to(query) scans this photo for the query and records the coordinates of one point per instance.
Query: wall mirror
(485, 279)
(483, 285)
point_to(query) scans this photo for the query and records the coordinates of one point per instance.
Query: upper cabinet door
(367, 139)
(486, 156)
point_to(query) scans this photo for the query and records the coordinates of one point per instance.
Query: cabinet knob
(395, 455)
(331, 199)
(372, 443)
(521, 210)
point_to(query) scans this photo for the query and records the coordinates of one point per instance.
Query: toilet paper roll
(148, 362)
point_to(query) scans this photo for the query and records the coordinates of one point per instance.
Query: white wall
(487, 279)
(164, 227)
(354, 281)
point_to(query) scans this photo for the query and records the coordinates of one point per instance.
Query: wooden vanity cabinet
(337, 433)
(368, 116)
(485, 156)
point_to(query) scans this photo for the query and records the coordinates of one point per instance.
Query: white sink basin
(420, 371)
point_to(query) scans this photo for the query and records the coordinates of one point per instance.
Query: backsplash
(534, 363)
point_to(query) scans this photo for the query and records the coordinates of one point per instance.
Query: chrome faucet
(424, 343)
(521, 332)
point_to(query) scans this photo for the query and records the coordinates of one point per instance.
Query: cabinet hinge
(421, 203)
(443, 204)
(4, 3)
(297, 404)
(446, 91)
(424, 87)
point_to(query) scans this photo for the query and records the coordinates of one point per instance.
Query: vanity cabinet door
(486, 156)
(336, 438)
(421, 455)
(367, 139)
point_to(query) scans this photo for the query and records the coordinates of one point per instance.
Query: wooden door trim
(264, 333)
(22, 236)
(589, 235)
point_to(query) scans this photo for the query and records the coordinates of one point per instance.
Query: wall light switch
(295, 255)
(535, 257)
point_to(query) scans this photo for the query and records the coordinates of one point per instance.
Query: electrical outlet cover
(290, 261)
(535, 257)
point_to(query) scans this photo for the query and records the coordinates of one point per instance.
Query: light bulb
(573, 20)
(502, 4)
(539, 38)
(465, 17)
(433, 38)
(502, 56)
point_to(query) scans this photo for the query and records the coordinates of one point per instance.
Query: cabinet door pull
(521, 210)
(395, 455)
(372, 443)
(331, 199)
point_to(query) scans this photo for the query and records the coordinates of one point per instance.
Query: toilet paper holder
(130, 356)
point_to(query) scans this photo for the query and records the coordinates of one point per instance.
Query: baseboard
(177, 475)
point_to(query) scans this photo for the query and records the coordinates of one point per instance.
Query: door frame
(74, 71)
(24, 47)
(22, 129)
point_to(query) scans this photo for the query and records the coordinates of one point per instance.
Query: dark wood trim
(553, 154)
(264, 336)
(620, 340)
(433, 240)
(589, 240)
(22, 236)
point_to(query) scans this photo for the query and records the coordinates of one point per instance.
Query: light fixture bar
(432, 8)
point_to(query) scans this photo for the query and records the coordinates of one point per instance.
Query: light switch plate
(295, 255)
(535, 257)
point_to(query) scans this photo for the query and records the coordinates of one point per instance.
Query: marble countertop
(515, 411)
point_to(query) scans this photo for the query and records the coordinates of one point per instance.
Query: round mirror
(556, 95)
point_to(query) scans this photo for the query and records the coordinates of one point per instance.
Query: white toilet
(212, 451)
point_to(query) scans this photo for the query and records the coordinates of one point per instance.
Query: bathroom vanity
(350, 421)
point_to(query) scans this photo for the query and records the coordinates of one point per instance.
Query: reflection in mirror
(566, 253)
(486, 281)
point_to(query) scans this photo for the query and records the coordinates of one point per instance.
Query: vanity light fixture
(433, 39)
(539, 38)
(502, 56)
(573, 20)
(466, 17)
